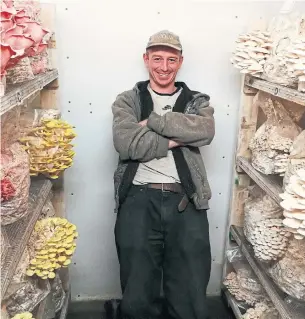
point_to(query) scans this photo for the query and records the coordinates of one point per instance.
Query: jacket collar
(185, 96)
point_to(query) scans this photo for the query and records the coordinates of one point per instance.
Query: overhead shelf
(19, 232)
(269, 183)
(273, 292)
(286, 93)
(16, 94)
(233, 305)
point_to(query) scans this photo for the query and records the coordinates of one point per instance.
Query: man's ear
(181, 60)
(145, 58)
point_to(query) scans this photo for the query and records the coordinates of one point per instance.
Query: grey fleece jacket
(195, 127)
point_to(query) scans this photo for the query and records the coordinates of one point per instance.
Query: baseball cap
(165, 38)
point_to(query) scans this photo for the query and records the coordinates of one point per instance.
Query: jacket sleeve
(131, 140)
(196, 129)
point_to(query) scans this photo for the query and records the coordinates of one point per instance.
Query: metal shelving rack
(14, 237)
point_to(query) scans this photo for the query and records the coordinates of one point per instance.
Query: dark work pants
(156, 244)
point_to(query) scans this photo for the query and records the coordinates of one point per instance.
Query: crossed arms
(152, 138)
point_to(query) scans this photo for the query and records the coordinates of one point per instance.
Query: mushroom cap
(301, 174)
(292, 222)
(298, 236)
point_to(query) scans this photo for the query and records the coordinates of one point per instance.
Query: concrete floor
(216, 304)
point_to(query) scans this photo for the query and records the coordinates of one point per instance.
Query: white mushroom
(245, 287)
(270, 239)
(262, 310)
(288, 272)
(272, 141)
(251, 49)
(294, 204)
(292, 222)
(301, 232)
(295, 59)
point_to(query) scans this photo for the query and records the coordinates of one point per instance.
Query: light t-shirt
(161, 170)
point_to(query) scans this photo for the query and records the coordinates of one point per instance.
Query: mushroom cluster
(49, 146)
(262, 310)
(258, 207)
(296, 159)
(270, 239)
(295, 59)
(288, 272)
(294, 204)
(251, 52)
(52, 245)
(24, 315)
(232, 283)
(21, 37)
(272, 141)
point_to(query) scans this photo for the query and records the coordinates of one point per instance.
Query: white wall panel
(100, 46)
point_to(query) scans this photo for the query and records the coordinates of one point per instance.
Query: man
(162, 191)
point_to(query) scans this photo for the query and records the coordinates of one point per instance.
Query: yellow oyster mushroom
(42, 252)
(67, 262)
(51, 275)
(23, 315)
(63, 221)
(70, 239)
(56, 239)
(62, 258)
(30, 273)
(47, 266)
(51, 244)
(50, 124)
(54, 176)
(69, 252)
(42, 257)
(33, 261)
(67, 246)
(61, 232)
(69, 231)
(73, 227)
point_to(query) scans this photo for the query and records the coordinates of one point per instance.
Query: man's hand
(173, 144)
(143, 123)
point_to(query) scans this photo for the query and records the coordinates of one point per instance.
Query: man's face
(163, 64)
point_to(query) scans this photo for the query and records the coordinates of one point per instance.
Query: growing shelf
(19, 232)
(286, 93)
(16, 94)
(233, 305)
(270, 184)
(273, 292)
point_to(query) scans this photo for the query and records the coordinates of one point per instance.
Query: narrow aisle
(216, 304)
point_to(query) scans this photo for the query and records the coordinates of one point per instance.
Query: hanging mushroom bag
(49, 146)
(15, 184)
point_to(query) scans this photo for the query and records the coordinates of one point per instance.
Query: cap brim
(165, 45)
